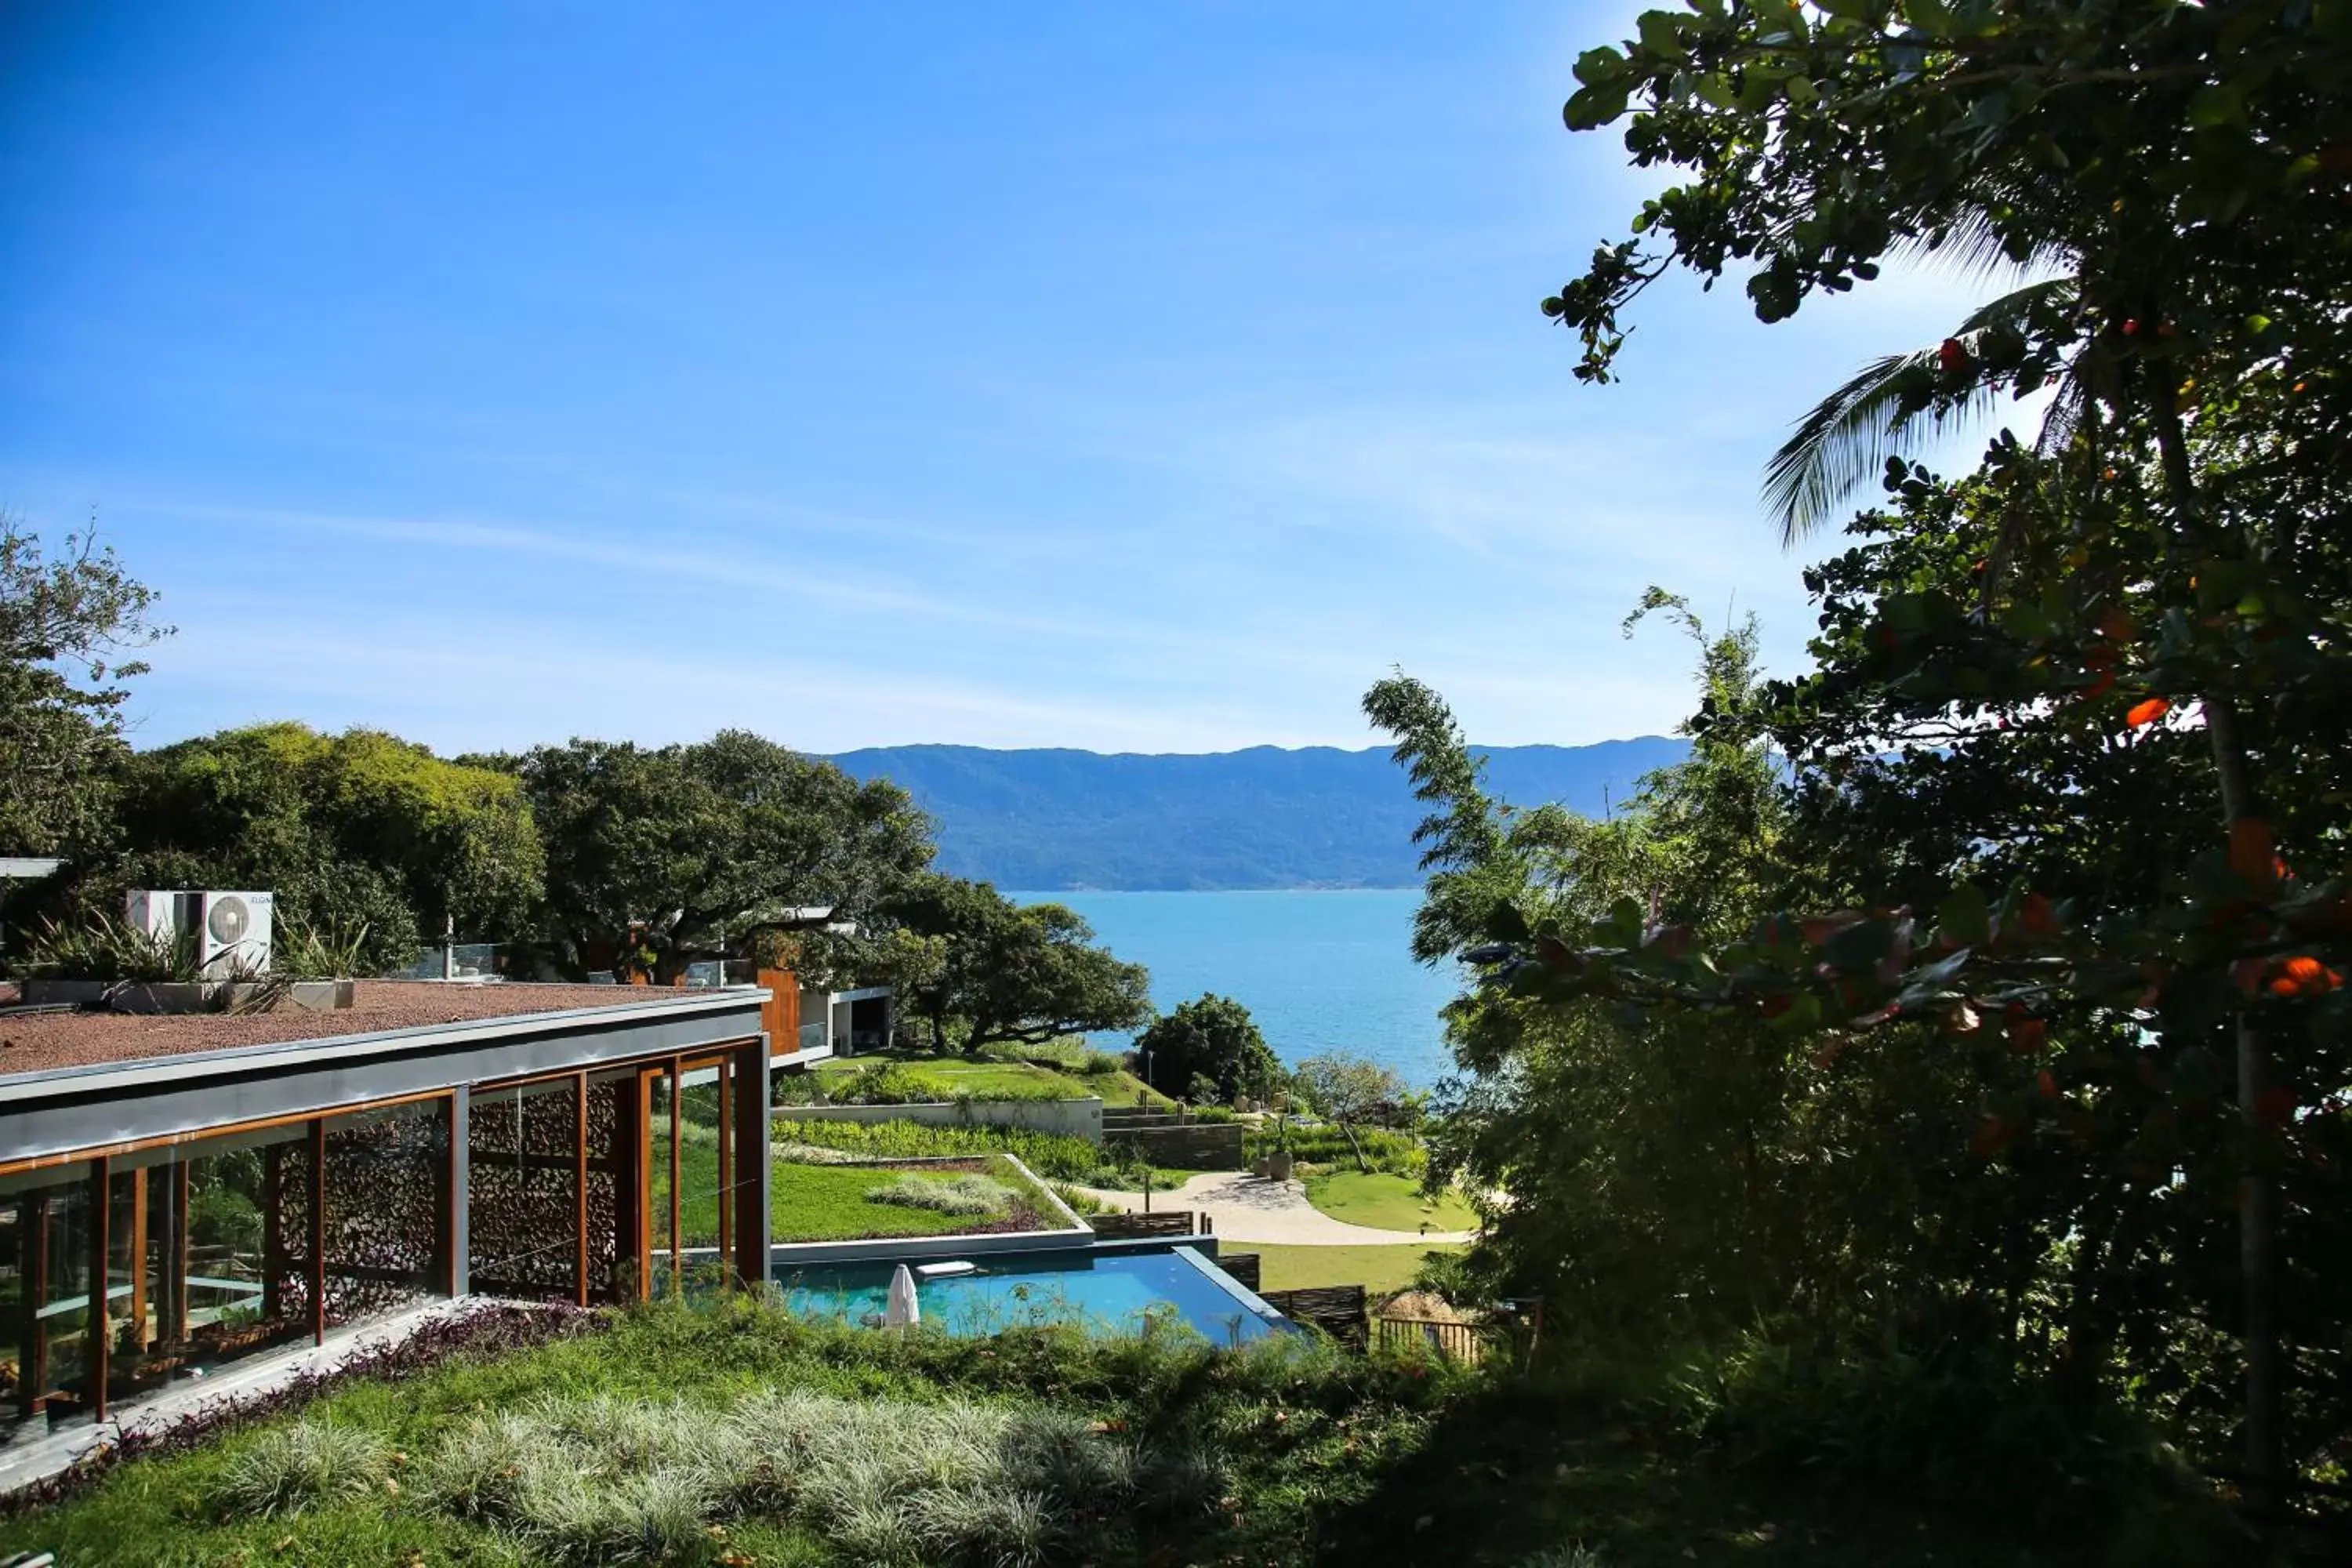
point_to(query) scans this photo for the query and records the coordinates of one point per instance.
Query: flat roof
(44, 1041)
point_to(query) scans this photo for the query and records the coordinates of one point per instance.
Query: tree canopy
(1013, 972)
(72, 623)
(1212, 1037)
(665, 856)
(2070, 648)
(354, 830)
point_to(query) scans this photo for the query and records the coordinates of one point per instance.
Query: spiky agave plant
(100, 947)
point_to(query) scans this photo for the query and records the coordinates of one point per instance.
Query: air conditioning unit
(231, 930)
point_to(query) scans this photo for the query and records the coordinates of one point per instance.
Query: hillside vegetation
(1264, 817)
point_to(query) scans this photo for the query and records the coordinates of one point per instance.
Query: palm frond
(2014, 306)
(1844, 441)
(1972, 248)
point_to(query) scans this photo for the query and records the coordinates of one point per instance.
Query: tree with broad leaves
(1012, 973)
(363, 837)
(71, 626)
(1214, 1038)
(663, 856)
(1351, 1089)
(2184, 170)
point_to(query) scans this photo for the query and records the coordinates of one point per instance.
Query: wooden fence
(1338, 1310)
(1461, 1342)
(1167, 1222)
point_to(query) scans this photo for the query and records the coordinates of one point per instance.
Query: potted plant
(1277, 1165)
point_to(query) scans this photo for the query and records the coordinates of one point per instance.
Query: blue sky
(1130, 377)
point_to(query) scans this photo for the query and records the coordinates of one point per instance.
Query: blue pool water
(1109, 1292)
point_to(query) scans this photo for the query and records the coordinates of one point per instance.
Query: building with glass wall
(181, 1193)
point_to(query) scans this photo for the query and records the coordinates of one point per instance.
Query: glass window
(47, 1261)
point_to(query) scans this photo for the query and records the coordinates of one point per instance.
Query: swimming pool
(1117, 1292)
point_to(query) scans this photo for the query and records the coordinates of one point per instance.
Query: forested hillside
(1265, 817)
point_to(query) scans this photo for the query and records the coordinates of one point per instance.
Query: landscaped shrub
(1399, 1153)
(1049, 1154)
(969, 1193)
(889, 1479)
(100, 947)
(888, 1084)
(1079, 1203)
(290, 1467)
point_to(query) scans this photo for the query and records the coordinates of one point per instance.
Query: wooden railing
(1167, 1222)
(1460, 1341)
(1337, 1310)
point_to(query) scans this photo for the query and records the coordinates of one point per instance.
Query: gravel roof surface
(38, 1042)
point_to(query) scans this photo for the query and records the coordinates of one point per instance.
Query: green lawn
(806, 1203)
(987, 1076)
(1380, 1269)
(1387, 1202)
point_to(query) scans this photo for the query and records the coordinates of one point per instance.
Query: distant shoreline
(1297, 888)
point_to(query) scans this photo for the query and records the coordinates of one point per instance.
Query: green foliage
(967, 1195)
(66, 622)
(1888, 1417)
(660, 857)
(220, 1216)
(308, 1462)
(1286, 1453)
(100, 947)
(304, 952)
(2029, 679)
(1057, 1158)
(1210, 1039)
(1398, 1154)
(1013, 972)
(840, 1203)
(361, 835)
(886, 1083)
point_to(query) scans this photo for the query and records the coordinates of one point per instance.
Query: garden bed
(838, 1203)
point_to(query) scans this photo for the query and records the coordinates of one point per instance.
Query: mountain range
(1047, 821)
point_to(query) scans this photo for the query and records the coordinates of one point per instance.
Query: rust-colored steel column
(33, 1336)
(641, 1185)
(138, 1314)
(175, 1268)
(726, 1167)
(747, 1174)
(318, 1230)
(580, 1187)
(273, 1233)
(97, 1360)
(677, 1169)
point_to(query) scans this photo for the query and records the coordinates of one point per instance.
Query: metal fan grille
(228, 920)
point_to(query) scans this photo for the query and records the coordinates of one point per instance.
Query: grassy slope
(828, 1203)
(1331, 1460)
(1386, 1202)
(1380, 1269)
(987, 1074)
(806, 1203)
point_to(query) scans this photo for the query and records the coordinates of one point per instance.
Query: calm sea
(1319, 970)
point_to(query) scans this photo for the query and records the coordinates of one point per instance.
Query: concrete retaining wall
(1066, 1118)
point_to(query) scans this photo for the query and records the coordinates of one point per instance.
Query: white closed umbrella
(901, 1310)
